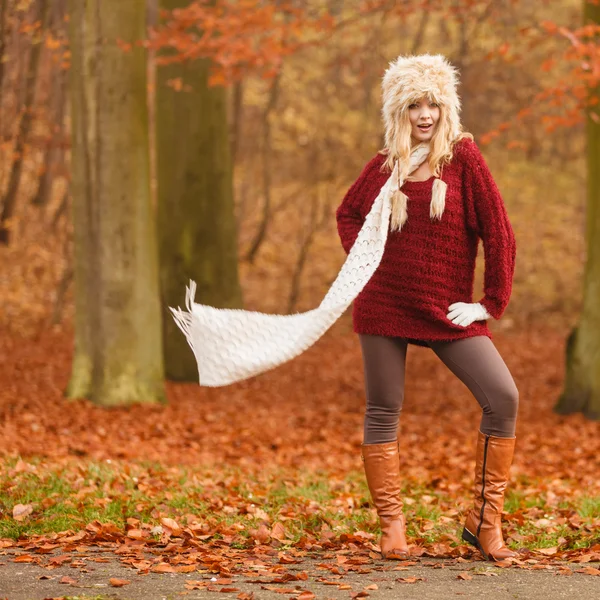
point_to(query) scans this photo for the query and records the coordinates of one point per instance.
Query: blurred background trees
(303, 116)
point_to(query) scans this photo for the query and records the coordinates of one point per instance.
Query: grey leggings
(475, 361)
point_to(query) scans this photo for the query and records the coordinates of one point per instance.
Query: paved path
(424, 579)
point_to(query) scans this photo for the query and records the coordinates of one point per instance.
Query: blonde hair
(399, 147)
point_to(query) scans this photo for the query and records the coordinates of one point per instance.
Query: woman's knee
(386, 403)
(507, 400)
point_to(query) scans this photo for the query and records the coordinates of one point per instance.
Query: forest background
(303, 111)
(323, 114)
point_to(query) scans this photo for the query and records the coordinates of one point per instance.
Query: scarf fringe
(185, 319)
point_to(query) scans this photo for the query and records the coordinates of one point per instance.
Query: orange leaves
(114, 582)
(549, 27)
(171, 527)
(409, 579)
(21, 511)
(124, 46)
(238, 37)
(589, 571)
(548, 551)
(564, 102)
(503, 49)
(263, 534)
(162, 568)
(24, 558)
(178, 85)
(138, 534)
(228, 513)
(278, 532)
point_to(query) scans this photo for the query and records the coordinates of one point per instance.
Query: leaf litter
(230, 451)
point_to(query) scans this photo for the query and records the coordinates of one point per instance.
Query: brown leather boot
(382, 469)
(483, 525)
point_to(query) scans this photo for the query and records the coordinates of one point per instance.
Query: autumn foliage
(230, 451)
(271, 466)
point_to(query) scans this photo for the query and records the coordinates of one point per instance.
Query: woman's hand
(463, 313)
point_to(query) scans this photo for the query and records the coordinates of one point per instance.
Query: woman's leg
(479, 365)
(384, 361)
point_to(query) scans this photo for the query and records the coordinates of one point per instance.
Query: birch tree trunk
(582, 384)
(197, 229)
(118, 358)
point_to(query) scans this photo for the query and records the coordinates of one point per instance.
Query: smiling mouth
(425, 127)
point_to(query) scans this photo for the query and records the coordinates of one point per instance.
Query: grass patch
(229, 503)
(589, 508)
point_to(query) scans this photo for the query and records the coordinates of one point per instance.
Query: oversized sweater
(430, 264)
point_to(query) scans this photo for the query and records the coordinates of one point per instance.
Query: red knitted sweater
(431, 264)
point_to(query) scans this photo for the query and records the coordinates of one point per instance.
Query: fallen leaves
(171, 527)
(21, 511)
(232, 492)
(548, 551)
(114, 582)
(24, 558)
(57, 561)
(163, 568)
(409, 579)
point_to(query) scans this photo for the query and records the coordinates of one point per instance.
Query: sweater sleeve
(349, 215)
(487, 215)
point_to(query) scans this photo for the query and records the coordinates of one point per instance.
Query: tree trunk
(267, 168)
(118, 359)
(197, 229)
(3, 36)
(582, 384)
(236, 119)
(9, 202)
(53, 153)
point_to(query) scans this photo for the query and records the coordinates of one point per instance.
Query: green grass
(589, 508)
(71, 496)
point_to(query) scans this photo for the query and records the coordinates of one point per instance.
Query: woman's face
(424, 116)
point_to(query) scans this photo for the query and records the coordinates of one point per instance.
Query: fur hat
(408, 79)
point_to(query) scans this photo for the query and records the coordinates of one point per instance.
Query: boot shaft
(492, 465)
(382, 470)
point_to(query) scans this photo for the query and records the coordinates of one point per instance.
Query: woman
(421, 293)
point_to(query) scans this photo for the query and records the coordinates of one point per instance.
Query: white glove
(463, 313)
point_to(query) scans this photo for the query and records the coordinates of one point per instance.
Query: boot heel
(467, 536)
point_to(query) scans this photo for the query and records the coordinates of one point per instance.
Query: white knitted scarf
(231, 345)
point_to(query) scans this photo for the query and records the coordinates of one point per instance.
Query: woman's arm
(488, 217)
(349, 215)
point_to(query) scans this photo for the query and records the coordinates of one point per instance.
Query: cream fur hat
(409, 78)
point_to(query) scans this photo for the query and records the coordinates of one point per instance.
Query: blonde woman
(422, 291)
